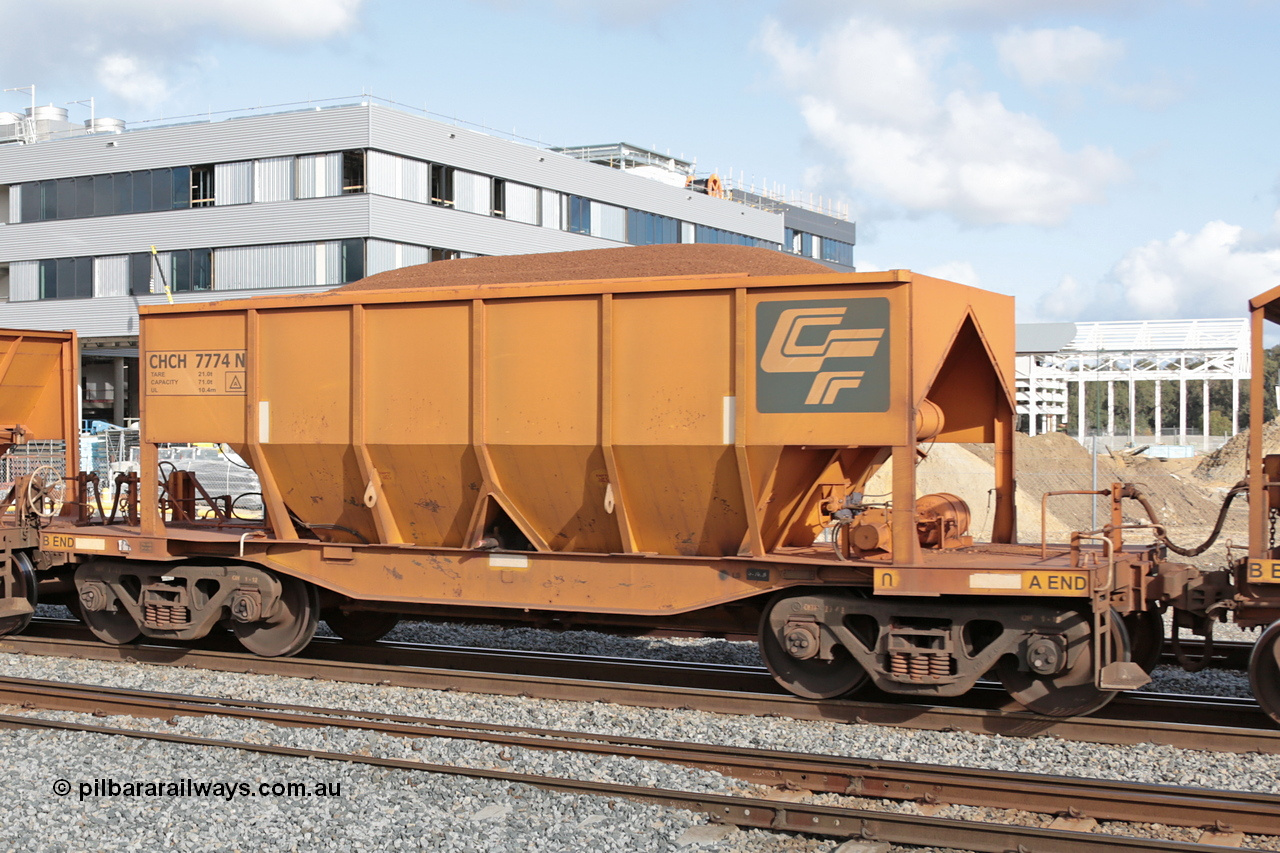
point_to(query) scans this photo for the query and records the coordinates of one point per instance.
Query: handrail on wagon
(1044, 514)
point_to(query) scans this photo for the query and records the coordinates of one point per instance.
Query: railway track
(1224, 725)
(1217, 812)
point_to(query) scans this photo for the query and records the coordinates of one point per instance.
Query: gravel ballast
(380, 808)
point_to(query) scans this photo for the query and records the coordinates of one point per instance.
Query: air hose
(1131, 491)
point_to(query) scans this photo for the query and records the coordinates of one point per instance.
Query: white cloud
(1211, 272)
(125, 77)
(137, 48)
(958, 271)
(1071, 56)
(870, 97)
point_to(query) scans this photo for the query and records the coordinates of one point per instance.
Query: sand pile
(1226, 465)
(1187, 505)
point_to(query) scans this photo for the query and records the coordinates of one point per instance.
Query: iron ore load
(665, 437)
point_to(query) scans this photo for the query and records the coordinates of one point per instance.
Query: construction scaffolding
(1156, 351)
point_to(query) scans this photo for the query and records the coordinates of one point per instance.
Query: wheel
(22, 584)
(46, 489)
(361, 626)
(110, 626)
(1071, 692)
(1264, 671)
(290, 629)
(1146, 637)
(813, 678)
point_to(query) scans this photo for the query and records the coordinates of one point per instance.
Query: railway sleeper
(824, 645)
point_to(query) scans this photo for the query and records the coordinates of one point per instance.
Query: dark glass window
(498, 206)
(837, 251)
(48, 199)
(124, 192)
(352, 260)
(441, 185)
(180, 270)
(202, 269)
(30, 196)
(353, 171)
(190, 269)
(806, 245)
(84, 196)
(181, 198)
(140, 272)
(161, 189)
(49, 279)
(579, 214)
(707, 234)
(66, 278)
(104, 195)
(443, 254)
(646, 229)
(66, 203)
(141, 192)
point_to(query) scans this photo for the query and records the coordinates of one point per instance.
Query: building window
(443, 254)
(140, 272)
(498, 206)
(66, 278)
(202, 186)
(646, 229)
(579, 215)
(353, 171)
(442, 185)
(352, 260)
(190, 269)
(707, 234)
(837, 251)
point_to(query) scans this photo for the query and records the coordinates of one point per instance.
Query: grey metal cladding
(286, 134)
(272, 179)
(816, 223)
(443, 143)
(305, 220)
(426, 225)
(111, 276)
(233, 183)
(111, 316)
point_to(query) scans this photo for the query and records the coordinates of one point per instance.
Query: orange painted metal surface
(694, 417)
(38, 385)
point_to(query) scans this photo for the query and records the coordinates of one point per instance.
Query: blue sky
(1099, 160)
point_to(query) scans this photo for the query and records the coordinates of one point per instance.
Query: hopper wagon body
(687, 451)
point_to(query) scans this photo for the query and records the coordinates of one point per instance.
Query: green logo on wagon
(823, 355)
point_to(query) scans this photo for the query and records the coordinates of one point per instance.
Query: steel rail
(1184, 726)
(1098, 799)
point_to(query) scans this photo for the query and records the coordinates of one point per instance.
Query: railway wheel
(1071, 691)
(110, 626)
(361, 626)
(1146, 637)
(1264, 671)
(292, 626)
(22, 586)
(790, 655)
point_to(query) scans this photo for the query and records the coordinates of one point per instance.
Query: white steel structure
(1159, 351)
(1041, 393)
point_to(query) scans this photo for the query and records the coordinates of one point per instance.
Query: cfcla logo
(785, 353)
(812, 351)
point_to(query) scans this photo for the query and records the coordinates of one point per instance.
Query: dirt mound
(1055, 462)
(1226, 465)
(628, 262)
